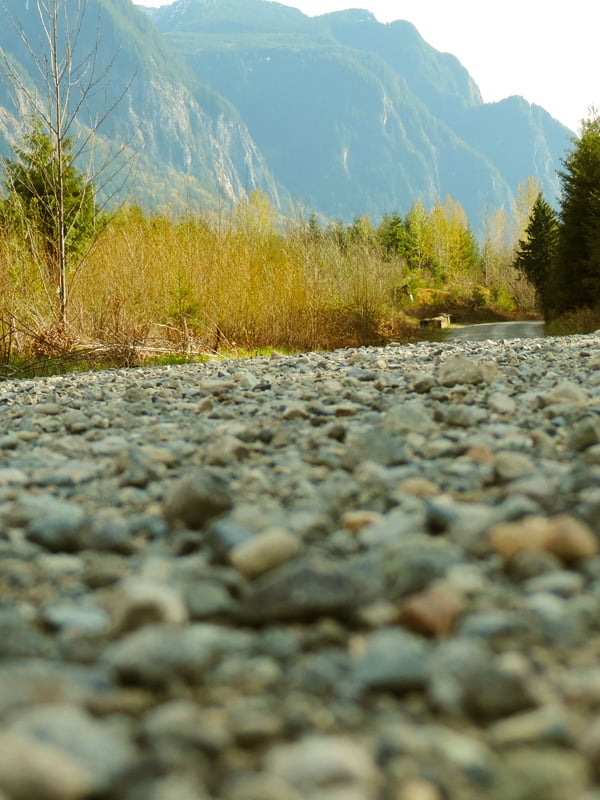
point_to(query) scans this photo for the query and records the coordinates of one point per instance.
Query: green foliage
(36, 182)
(419, 237)
(536, 251)
(185, 312)
(392, 235)
(361, 230)
(575, 279)
(501, 299)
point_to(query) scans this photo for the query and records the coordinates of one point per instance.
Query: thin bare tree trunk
(70, 79)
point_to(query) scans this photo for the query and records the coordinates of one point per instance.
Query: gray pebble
(394, 660)
(196, 499)
(156, 640)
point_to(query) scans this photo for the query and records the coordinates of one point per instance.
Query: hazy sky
(544, 50)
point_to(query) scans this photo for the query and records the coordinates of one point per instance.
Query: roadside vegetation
(81, 287)
(165, 288)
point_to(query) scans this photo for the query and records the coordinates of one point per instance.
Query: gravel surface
(498, 330)
(364, 575)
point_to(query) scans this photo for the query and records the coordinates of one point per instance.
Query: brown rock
(590, 746)
(509, 538)
(136, 602)
(563, 536)
(569, 538)
(355, 521)
(433, 612)
(264, 551)
(480, 455)
(569, 393)
(419, 487)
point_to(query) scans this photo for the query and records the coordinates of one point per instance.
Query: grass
(69, 361)
(581, 320)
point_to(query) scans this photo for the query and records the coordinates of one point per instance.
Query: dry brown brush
(156, 285)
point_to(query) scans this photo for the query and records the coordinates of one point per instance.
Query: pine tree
(36, 184)
(536, 252)
(391, 235)
(575, 279)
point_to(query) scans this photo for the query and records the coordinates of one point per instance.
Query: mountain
(190, 143)
(337, 114)
(354, 116)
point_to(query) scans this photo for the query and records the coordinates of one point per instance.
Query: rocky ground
(365, 575)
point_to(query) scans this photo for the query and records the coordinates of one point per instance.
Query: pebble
(135, 602)
(543, 772)
(459, 370)
(197, 498)
(155, 655)
(305, 589)
(393, 660)
(502, 403)
(510, 466)
(550, 725)
(359, 519)
(264, 551)
(564, 536)
(591, 746)
(418, 789)
(433, 612)
(102, 752)
(363, 574)
(326, 767)
(34, 770)
(567, 392)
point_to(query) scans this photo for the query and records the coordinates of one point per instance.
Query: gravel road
(498, 330)
(371, 574)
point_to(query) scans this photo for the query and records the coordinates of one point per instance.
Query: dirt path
(499, 330)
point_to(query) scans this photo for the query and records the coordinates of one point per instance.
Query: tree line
(560, 251)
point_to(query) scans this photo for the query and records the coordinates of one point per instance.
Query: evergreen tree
(536, 252)
(37, 183)
(575, 278)
(391, 235)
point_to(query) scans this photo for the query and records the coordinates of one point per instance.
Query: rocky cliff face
(189, 144)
